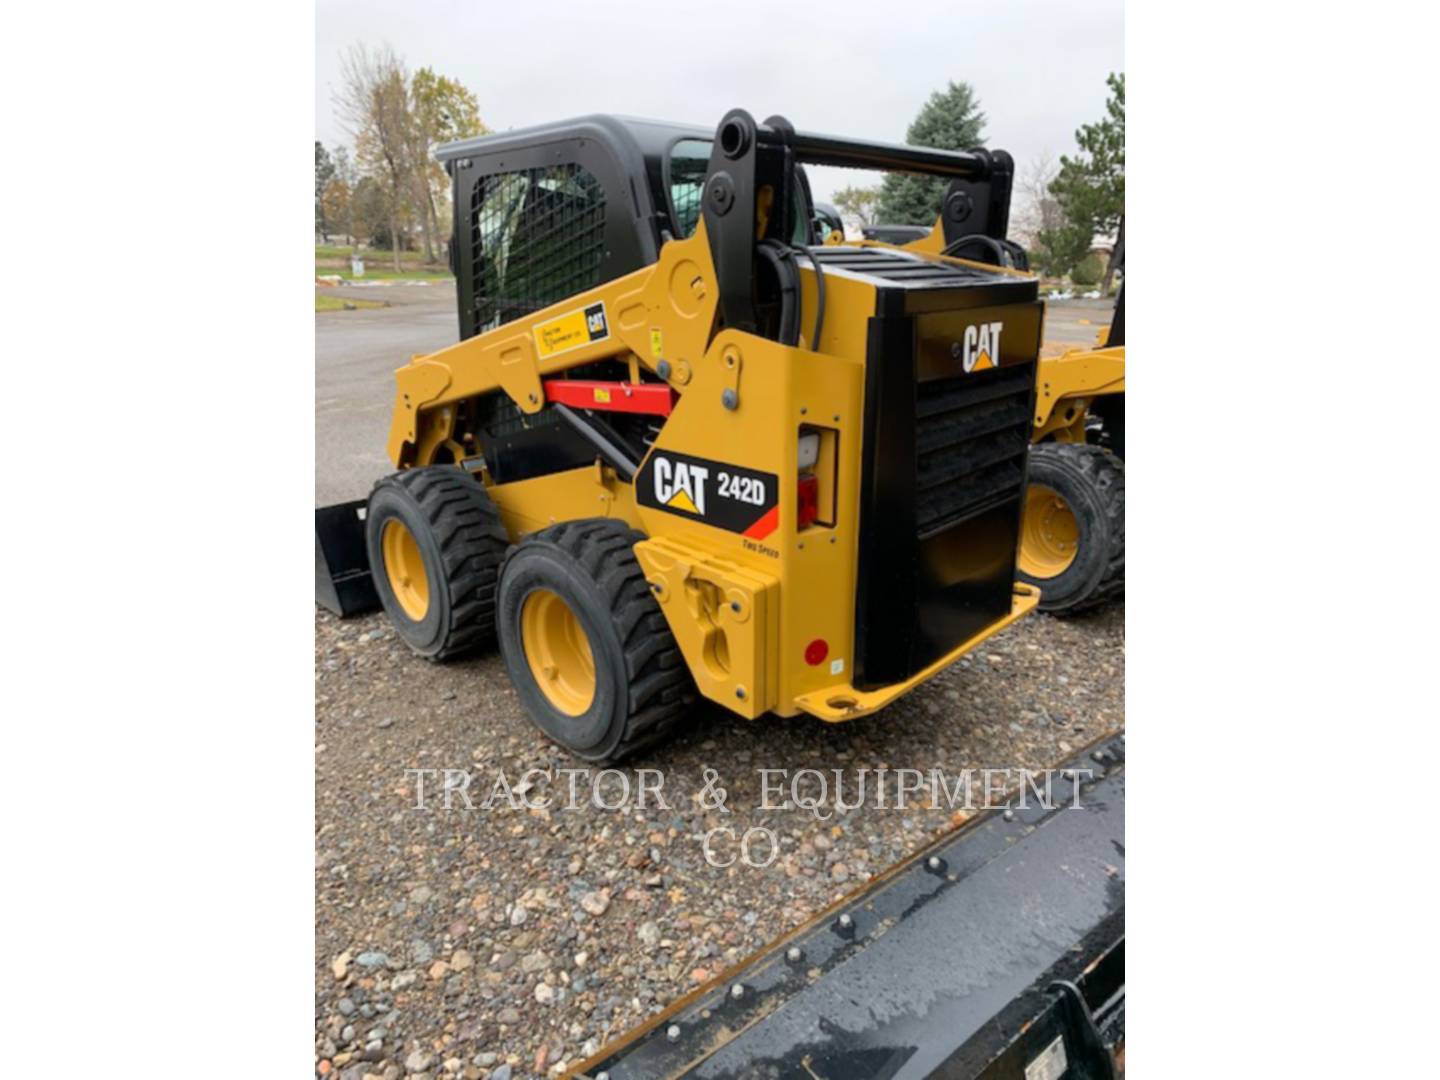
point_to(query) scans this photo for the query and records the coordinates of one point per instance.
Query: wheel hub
(558, 652)
(405, 569)
(1050, 537)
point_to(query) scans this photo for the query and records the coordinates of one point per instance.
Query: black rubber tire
(462, 544)
(642, 686)
(1092, 481)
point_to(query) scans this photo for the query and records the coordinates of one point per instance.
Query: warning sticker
(1050, 1064)
(729, 497)
(571, 330)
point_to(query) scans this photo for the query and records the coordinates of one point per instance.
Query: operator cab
(546, 212)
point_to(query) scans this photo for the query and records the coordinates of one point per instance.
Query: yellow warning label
(602, 395)
(682, 501)
(657, 342)
(583, 326)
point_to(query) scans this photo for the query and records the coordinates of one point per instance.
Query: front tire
(586, 645)
(435, 544)
(1072, 537)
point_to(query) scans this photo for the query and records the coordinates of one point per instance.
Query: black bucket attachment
(342, 569)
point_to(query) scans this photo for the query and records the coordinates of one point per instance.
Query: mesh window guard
(536, 237)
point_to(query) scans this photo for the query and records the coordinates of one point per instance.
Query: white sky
(845, 68)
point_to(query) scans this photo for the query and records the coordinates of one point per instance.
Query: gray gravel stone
(504, 886)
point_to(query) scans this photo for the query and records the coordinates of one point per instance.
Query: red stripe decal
(765, 526)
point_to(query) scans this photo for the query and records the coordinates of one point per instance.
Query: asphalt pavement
(356, 354)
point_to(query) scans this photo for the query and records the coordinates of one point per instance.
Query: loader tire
(435, 544)
(1072, 538)
(585, 643)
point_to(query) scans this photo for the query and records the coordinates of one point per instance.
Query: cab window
(689, 159)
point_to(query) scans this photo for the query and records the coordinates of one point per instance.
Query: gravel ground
(513, 942)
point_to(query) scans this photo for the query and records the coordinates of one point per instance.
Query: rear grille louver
(972, 433)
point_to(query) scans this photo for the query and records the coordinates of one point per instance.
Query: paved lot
(356, 354)
(1072, 323)
(508, 943)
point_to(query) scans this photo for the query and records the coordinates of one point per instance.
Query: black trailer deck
(997, 952)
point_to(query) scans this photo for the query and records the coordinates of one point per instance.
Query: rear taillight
(808, 485)
(808, 491)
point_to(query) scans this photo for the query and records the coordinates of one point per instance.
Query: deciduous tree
(324, 173)
(859, 204)
(1036, 211)
(370, 212)
(340, 193)
(374, 102)
(442, 110)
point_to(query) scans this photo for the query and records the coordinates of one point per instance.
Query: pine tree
(1091, 187)
(950, 120)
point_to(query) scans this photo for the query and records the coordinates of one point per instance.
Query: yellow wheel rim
(1050, 536)
(558, 652)
(405, 569)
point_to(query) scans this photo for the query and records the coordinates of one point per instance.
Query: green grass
(387, 274)
(337, 303)
(333, 251)
(334, 260)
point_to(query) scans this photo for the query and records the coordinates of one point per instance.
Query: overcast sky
(846, 68)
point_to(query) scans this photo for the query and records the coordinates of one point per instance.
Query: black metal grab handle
(737, 130)
(813, 149)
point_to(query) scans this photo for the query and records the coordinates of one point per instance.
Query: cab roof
(628, 135)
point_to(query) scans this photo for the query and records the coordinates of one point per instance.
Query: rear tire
(435, 544)
(586, 645)
(1072, 542)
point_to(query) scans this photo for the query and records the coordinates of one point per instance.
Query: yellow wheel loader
(684, 449)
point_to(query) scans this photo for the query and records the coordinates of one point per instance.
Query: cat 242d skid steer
(683, 447)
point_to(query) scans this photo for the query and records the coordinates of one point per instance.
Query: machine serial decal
(981, 347)
(583, 326)
(729, 497)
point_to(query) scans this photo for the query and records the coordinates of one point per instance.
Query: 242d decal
(729, 497)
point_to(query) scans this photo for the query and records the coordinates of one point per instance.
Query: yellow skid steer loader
(1073, 541)
(681, 448)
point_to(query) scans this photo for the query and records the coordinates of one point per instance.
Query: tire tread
(472, 543)
(660, 689)
(1104, 474)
